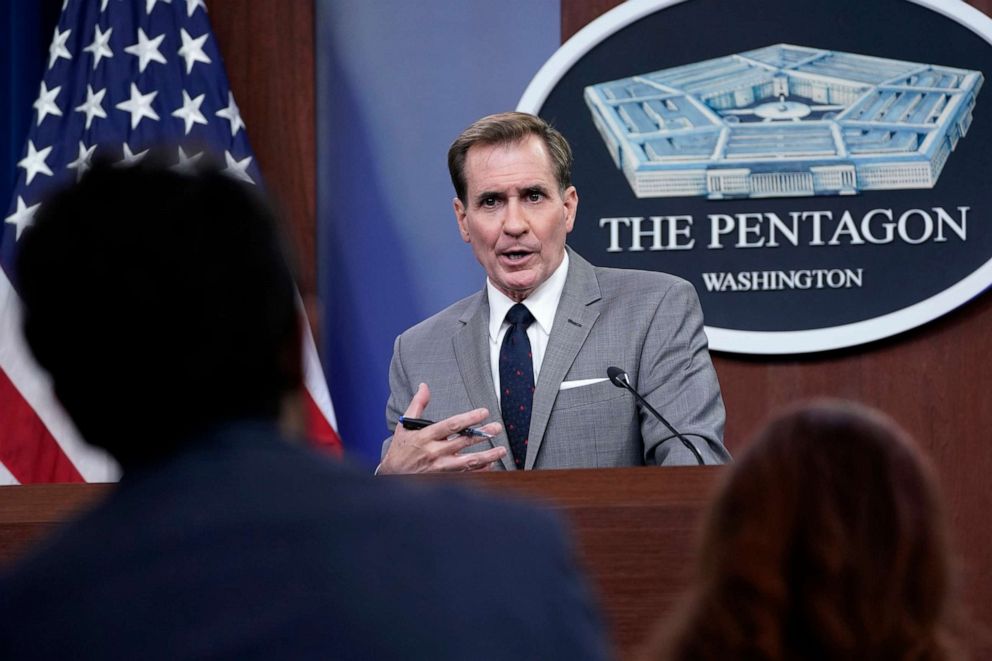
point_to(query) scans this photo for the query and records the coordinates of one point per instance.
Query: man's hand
(430, 450)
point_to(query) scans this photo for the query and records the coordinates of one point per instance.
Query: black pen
(420, 423)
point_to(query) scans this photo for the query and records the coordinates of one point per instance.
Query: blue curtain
(396, 82)
(25, 31)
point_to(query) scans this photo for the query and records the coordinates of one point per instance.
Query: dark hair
(508, 128)
(827, 541)
(161, 303)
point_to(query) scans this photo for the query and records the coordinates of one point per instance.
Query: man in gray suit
(534, 345)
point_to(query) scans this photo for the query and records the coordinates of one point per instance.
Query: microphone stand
(620, 380)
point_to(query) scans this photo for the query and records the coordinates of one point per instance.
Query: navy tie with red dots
(516, 381)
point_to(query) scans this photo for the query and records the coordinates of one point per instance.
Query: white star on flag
(192, 49)
(45, 104)
(93, 105)
(237, 169)
(34, 162)
(100, 46)
(130, 158)
(187, 164)
(139, 105)
(146, 50)
(190, 111)
(232, 114)
(191, 6)
(58, 49)
(23, 216)
(82, 162)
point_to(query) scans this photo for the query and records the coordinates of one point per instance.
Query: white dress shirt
(542, 303)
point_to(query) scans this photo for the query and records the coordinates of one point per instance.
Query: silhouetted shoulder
(247, 547)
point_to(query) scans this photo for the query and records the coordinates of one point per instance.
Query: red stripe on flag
(27, 448)
(319, 430)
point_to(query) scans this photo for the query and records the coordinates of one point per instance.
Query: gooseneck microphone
(621, 380)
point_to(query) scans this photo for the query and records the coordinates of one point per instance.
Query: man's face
(514, 215)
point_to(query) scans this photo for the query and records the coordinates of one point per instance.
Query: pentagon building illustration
(783, 121)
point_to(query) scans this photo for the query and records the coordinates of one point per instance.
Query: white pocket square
(568, 385)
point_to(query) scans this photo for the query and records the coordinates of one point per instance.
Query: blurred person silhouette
(163, 307)
(826, 541)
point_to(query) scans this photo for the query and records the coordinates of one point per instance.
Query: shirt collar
(542, 302)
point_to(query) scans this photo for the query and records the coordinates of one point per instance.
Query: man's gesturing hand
(429, 449)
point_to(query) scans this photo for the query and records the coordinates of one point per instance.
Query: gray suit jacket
(647, 323)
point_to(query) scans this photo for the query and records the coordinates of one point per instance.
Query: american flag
(122, 76)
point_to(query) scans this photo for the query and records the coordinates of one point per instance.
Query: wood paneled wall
(268, 49)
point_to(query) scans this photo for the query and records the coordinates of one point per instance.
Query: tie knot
(519, 314)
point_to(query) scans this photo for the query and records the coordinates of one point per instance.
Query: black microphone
(620, 380)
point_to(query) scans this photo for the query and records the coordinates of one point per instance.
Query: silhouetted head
(827, 541)
(161, 303)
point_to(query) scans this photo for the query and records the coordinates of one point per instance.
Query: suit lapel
(471, 346)
(573, 321)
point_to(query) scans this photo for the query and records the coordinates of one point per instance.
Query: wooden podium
(635, 528)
